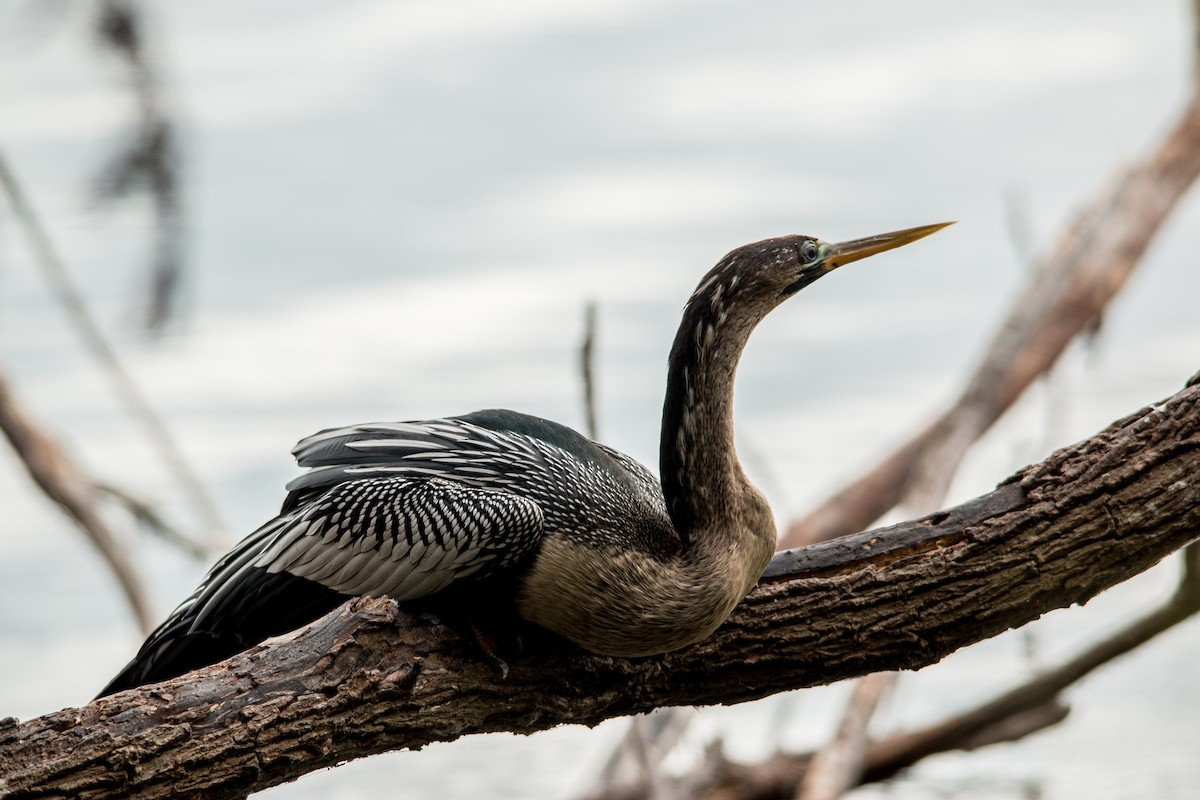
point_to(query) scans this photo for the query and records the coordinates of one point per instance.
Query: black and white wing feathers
(404, 537)
(397, 509)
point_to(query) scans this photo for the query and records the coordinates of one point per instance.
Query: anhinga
(587, 541)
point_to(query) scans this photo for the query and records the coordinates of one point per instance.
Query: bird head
(800, 260)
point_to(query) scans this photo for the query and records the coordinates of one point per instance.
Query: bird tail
(236, 607)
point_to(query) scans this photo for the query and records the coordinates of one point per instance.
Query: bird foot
(494, 633)
(489, 647)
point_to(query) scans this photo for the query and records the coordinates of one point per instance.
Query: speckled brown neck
(698, 464)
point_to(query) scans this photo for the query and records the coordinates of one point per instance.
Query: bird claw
(490, 649)
(489, 625)
(500, 666)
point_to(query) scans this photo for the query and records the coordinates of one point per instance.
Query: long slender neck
(702, 481)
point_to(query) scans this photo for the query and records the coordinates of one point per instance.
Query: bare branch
(1196, 43)
(59, 479)
(635, 761)
(839, 765)
(779, 776)
(587, 360)
(367, 678)
(150, 160)
(151, 520)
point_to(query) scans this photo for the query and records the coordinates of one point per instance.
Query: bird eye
(809, 251)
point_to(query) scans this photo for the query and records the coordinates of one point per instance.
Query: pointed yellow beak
(845, 252)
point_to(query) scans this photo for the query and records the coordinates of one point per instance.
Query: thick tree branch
(372, 677)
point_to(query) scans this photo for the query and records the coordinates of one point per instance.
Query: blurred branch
(150, 160)
(779, 776)
(634, 765)
(59, 479)
(94, 340)
(150, 520)
(1065, 295)
(1196, 43)
(839, 764)
(587, 360)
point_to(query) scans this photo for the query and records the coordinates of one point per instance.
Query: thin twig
(1196, 43)
(587, 358)
(151, 520)
(650, 737)
(634, 765)
(1020, 230)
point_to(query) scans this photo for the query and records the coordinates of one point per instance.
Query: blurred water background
(397, 210)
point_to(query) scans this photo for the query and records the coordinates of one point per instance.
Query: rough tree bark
(372, 677)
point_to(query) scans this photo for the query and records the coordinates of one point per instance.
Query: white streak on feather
(385, 444)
